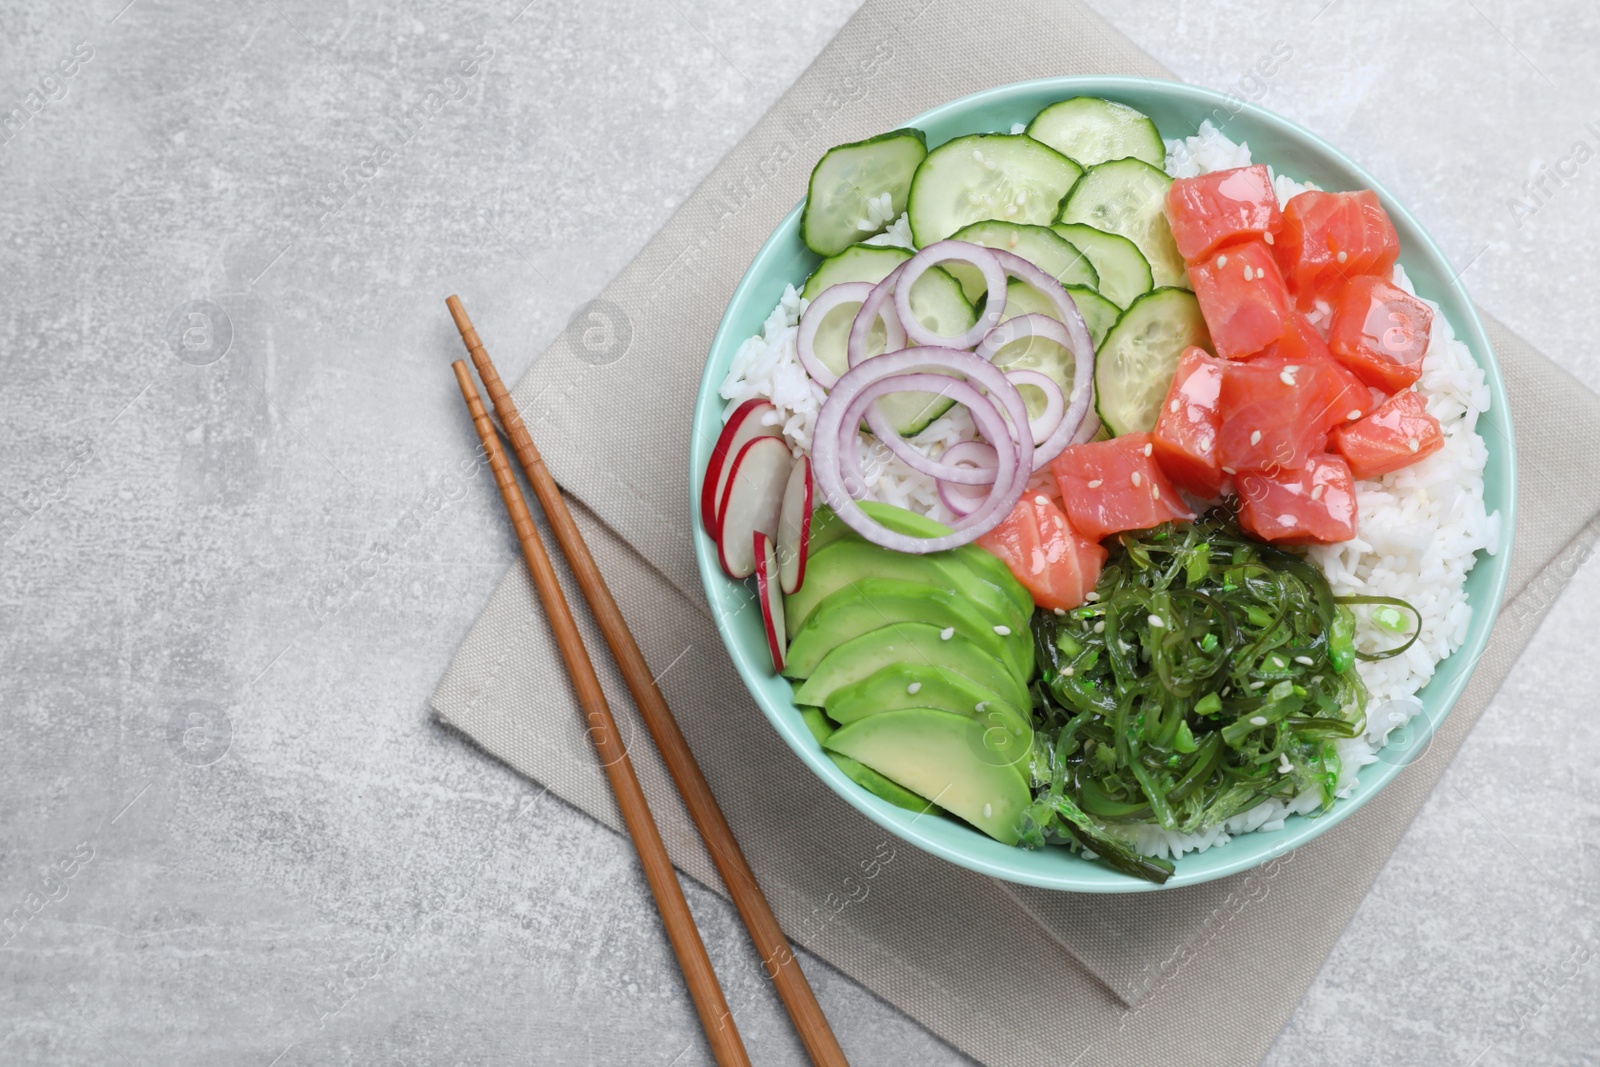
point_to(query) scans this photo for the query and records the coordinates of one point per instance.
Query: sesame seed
(1285, 767)
(1134, 478)
(1413, 444)
(1227, 470)
(913, 687)
(1222, 261)
(1285, 520)
(1255, 437)
(1316, 492)
(1091, 596)
(1267, 237)
(1286, 376)
(1155, 492)
(1342, 256)
(1068, 673)
(977, 155)
(1257, 685)
(1173, 407)
(947, 633)
(1306, 661)
(1100, 627)
(1355, 413)
(1059, 611)
(988, 810)
(1155, 620)
(1205, 443)
(1095, 484)
(1041, 500)
(1003, 631)
(979, 706)
(1248, 274)
(1258, 720)
(1149, 448)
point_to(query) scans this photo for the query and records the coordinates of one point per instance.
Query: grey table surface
(229, 581)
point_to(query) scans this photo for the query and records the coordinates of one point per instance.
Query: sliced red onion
(1054, 405)
(984, 374)
(986, 263)
(805, 340)
(877, 307)
(962, 500)
(1043, 326)
(836, 441)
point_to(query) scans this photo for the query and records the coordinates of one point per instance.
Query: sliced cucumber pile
(1133, 368)
(1129, 197)
(1042, 247)
(1089, 130)
(1010, 177)
(845, 201)
(1123, 270)
(936, 301)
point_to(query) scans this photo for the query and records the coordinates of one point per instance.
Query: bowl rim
(1298, 830)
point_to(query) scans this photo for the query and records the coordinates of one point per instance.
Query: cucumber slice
(858, 263)
(1034, 353)
(936, 301)
(987, 176)
(1090, 130)
(1124, 272)
(846, 182)
(1134, 367)
(1099, 314)
(1129, 197)
(1039, 245)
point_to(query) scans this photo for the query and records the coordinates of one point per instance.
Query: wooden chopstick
(709, 1002)
(777, 957)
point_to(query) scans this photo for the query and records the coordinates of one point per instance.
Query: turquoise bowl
(1177, 110)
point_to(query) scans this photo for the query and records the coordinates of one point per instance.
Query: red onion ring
(987, 264)
(876, 308)
(1055, 405)
(1043, 326)
(980, 455)
(811, 321)
(836, 441)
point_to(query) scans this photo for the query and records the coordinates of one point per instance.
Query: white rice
(1420, 528)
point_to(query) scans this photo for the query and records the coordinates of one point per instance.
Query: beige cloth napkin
(1008, 975)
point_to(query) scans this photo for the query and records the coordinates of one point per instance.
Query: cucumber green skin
(873, 604)
(1039, 245)
(1178, 305)
(853, 559)
(1068, 126)
(864, 656)
(925, 186)
(1099, 314)
(1123, 270)
(1083, 201)
(824, 246)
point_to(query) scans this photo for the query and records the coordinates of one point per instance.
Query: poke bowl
(1104, 485)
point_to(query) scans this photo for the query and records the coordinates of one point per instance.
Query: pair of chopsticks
(777, 958)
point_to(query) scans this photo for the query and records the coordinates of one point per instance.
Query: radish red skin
(767, 591)
(760, 471)
(721, 454)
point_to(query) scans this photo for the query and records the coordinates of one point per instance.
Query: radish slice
(794, 526)
(744, 425)
(771, 598)
(751, 501)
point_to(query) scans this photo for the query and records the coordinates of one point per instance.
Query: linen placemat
(1008, 975)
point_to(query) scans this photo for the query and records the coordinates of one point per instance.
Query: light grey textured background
(226, 590)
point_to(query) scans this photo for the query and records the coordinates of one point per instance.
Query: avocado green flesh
(916, 642)
(851, 560)
(938, 755)
(875, 603)
(903, 686)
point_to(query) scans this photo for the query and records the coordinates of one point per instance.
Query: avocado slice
(936, 754)
(911, 685)
(852, 559)
(826, 528)
(874, 603)
(860, 773)
(913, 642)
